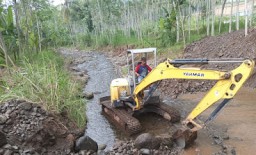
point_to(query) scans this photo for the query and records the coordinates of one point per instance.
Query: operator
(142, 69)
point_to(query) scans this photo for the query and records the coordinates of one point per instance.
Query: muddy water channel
(101, 72)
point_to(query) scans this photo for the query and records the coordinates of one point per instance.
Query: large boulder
(86, 143)
(26, 106)
(3, 119)
(147, 140)
(88, 95)
(3, 140)
(166, 140)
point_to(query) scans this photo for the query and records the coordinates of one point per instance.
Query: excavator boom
(228, 84)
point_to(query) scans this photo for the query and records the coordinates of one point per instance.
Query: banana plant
(7, 34)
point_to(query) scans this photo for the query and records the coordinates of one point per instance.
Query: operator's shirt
(143, 70)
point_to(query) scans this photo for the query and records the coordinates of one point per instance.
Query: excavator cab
(121, 89)
(133, 59)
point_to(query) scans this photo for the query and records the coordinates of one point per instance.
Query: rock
(3, 139)
(8, 152)
(70, 142)
(3, 119)
(166, 140)
(15, 147)
(148, 141)
(88, 95)
(86, 143)
(26, 106)
(120, 150)
(218, 140)
(145, 151)
(233, 151)
(102, 146)
(117, 145)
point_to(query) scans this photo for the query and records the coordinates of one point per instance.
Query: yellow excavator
(129, 98)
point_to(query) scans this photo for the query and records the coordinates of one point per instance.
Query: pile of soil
(231, 45)
(29, 129)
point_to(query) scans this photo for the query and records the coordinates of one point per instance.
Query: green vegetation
(29, 28)
(43, 79)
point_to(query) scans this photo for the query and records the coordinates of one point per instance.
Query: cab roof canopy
(143, 50)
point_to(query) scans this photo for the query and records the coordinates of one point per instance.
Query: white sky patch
(57, 2)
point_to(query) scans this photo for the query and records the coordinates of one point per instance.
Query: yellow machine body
(119, 88)
(228, 84)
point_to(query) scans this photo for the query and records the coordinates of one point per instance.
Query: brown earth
(231, 45)
(29, 129)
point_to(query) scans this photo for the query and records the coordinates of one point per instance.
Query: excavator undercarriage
(125, 117)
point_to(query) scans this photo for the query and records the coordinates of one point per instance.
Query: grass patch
(42, 78)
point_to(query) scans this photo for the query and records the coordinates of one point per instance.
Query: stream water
(101, 72)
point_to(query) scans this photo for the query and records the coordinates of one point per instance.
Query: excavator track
(154, 105)
(175, 115)
(126, 120)
(121, 117)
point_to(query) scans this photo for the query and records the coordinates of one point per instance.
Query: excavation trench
(101, 71)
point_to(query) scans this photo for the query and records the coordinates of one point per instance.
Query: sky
(54, 2)
(57, 2)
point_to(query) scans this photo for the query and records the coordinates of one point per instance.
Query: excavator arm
(228, 84)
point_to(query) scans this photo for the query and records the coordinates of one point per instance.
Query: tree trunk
(38, 33)
(251, 17)
(197, 18)
(177, 23)
(222, 10)
(189, 20)
(246, 18)
(237, 14)
(18, 26)
(231, 13)
(208, 16)
(182, 25)
(213, 16)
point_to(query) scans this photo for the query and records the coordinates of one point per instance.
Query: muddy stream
(101, 72)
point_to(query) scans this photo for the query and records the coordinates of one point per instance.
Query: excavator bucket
(184, 137)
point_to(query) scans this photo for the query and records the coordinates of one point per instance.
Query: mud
(233, 129)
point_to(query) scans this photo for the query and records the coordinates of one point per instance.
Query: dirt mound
(30, 129)
(231, 45)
